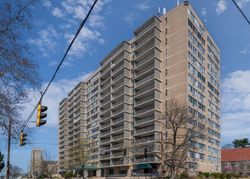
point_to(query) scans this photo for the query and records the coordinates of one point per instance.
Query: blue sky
(54, 23)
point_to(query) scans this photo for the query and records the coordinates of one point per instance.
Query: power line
(60, 64)
(248, 21)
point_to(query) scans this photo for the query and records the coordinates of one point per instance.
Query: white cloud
(57, 12)
(204, 11)
(221, 7)
(244, 51)
(46, 3)
(57, 91)
(76, 10)
(242, 3)
(236, 105)
(131, 17)
(46, 40)
(80, 45)
(143, 6)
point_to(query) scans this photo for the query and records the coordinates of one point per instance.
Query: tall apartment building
(171, 56)
(79, 127)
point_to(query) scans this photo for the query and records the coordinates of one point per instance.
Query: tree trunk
(9, 143)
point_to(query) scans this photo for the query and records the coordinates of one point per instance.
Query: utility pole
(9, 143)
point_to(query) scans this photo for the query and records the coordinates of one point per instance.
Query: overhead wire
(59, 65)
(248, 21)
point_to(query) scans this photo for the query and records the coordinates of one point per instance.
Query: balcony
(147, 98)
(119, 110)
(153, 32)
(154, 43)
(105, 164)
(117, 154)
(105, 156)
(118, 101)
(117, 137)
(144, 120)
(146, 139)
(104, 133)
(147, 76)
(154, 22)
(104, 125)
(123, 82)
(145, 130)
(117, 120)
(103, 141)
(117, 77)
(148, 89)
(105, 92)
(150, 159)
(119, 128)
(144, 109)
(115, 146)
(117, 162)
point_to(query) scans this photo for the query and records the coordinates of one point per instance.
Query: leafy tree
(1, 162)
(240, 143)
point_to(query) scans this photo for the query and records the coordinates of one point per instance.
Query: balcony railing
(151, 76)
(139, 111)
(117, 145)
(105, 156)
(104, 133)
(105, 140)
(146, 139)
(146, 129)
(117, 111)
(105, 164)
(116, 154)
(117, 120)
(117, 137)
(148, 98)
(139, 121)
(117, 162)
(147, 88)
(149, 159)
(117, 128)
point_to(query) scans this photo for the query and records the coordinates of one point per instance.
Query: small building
(236, 160)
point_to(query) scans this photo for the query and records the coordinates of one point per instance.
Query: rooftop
(237, 154)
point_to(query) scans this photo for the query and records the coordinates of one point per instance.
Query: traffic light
(145, 152)
(124, 152)
(40, 115)
(1, 162)
(22, 138)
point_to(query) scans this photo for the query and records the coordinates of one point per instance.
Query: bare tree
(48, 165)
(177, 139)
(82, 152)
(16, 171)
(17, 72)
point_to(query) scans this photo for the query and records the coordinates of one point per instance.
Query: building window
(166, 31)
(166, 72)
(166, 82)
(166, 20)
(166, 41)
(166, 92)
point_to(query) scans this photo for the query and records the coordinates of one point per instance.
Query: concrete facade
(171, 56)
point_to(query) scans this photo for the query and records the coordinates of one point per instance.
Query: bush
(216, 175)
(206, 174)
(184, 175)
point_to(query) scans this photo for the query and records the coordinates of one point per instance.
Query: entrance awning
(143, 166)
(87, 166)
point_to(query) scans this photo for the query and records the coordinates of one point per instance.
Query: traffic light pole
(8, 155)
